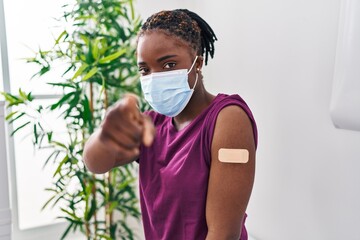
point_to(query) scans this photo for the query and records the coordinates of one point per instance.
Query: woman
(186, 190)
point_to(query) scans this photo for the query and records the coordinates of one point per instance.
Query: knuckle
(106, 124)
(125, 108)
(104, 135)
(110, 114)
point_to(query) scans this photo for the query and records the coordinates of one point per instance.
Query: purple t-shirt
(174, 174)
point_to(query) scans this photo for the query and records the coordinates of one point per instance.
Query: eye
(169, 65)
(143, 70)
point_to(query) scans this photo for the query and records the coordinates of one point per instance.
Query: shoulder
(224, 100)
(232, 115)
(234, 127)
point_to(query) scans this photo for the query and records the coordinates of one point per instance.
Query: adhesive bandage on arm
(228, 155)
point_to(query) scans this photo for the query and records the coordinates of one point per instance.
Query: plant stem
(106, 100)
(108, 213)
(87, 230)
(92, 100)
(95, 202)
(93, 190)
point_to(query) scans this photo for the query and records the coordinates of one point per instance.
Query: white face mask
(168, 92)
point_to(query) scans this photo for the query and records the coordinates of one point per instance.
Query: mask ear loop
(197, 74)
(196, 80)
(192, 64)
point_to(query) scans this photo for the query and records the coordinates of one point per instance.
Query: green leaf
(30, 97)
(112, 57)
(42, 71)
(128, 230)
(58, 198)
(113, 205)
(16, 118)
(17, 129)
(59, 144)
(66, 232)
(87, 114)
(49, 136)
(36, 135)
(67, 70)
(91, 73)
(70, 214)
(51, 190)
(65, 159)
(90, 213)
(80, 70)
(10, 115)
(106, 237)
(62, 100)
(11, 99)
(62, 84)
(22, 94)
(81, 180)
(132, 9)
(95, 48)
(82, 57)
(60, 36)
(84, 38)
(54, 154)
(47, 202)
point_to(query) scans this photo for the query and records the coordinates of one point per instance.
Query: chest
(174, 165)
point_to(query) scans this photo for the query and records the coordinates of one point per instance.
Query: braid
(185, 25)
(208, 36)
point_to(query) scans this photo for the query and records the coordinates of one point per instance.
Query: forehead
(157, 43)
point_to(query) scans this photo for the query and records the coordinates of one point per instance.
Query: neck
(200, 100)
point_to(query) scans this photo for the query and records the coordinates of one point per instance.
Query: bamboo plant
(97, 45)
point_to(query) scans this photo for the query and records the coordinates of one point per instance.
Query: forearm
(100, 157)
(96, 155)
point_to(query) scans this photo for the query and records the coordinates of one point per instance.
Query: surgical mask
(168, 92)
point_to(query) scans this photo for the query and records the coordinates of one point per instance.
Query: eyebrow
(165, 57)
(160, 59)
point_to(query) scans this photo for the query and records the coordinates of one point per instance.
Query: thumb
(132, 103)
(149, 131)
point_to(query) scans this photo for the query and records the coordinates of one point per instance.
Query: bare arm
(230, 184)
(118, 139)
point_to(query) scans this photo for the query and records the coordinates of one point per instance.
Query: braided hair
(185, 25)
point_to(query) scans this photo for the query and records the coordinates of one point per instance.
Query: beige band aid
(227, 155)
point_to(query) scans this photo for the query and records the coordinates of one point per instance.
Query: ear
(199, 63)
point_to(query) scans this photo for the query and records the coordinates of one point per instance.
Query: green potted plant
(98, 47)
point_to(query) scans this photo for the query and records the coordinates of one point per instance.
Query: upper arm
(230, 184)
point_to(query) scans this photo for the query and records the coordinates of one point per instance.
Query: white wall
(5, 212)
